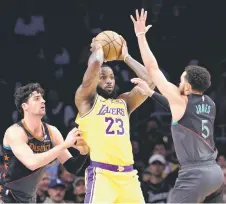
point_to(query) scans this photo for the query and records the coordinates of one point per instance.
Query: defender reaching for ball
(104, 119)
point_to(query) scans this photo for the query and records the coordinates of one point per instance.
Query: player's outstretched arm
(87, 91)
(16, 139)
(170, 91)
(71, 164)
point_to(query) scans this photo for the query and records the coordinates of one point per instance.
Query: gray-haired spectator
(79, 190)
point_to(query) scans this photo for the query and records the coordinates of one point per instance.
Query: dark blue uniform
(200, 177)
(18, 184)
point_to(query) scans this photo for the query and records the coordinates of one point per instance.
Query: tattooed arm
(86, 93)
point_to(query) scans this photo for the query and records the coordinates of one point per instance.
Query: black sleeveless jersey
(193, 134)
(16, 179)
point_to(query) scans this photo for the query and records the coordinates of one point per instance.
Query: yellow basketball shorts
(104, 186)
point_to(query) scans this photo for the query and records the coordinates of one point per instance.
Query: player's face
(107, 81)
(35, 105)
(184, 87)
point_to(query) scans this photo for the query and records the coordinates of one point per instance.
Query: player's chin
(109, 90)
(42, 113)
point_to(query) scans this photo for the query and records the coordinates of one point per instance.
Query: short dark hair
(198, 77)
(106, 65)
(23, 93)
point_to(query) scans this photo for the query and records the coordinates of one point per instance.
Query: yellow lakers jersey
(106, 131)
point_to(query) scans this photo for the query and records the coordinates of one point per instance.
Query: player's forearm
(92, 73)
(148, 58)
(160, 99)
(140, 70)
(42, 159)
(74, 164)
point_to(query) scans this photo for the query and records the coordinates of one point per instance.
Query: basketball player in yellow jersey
(104, 119)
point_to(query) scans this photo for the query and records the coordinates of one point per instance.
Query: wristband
(140, 33)
(126, 57)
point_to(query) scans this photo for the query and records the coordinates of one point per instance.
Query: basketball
(112, 44)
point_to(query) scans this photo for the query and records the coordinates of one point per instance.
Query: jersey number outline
(111, 121)
(205, 129)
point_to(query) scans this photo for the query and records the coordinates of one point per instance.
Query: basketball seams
(120, 45)
(117, 41)
(107, 35)
(102, 40)
(109, 48)
(110, 43)
(111, 38)
(114, 40)
(115, 49)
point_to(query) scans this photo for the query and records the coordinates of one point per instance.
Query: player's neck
(33, 124)
(196, 92)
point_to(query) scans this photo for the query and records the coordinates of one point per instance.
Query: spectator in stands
(68, 180)
(79, 190)
(160, 148)
(56, 191)
(224, 171)
(156, 189)
(221, 160)
(42, 191)
(145, 176)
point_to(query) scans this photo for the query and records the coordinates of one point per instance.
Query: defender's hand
(73, 137)
(142, 86)
(139, 23)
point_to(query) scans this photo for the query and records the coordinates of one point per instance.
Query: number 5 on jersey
(110, 131)
(205, 129)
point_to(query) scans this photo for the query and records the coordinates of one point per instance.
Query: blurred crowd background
(48, 42)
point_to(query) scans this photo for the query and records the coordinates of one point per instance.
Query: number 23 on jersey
(114, 126)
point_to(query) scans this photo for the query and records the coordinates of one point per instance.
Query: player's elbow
(32, 165)
(151, 67)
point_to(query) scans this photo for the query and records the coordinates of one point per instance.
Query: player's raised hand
(124, 50)
(139, 22)
(97, 50)
(95, 46)
(142, 86)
